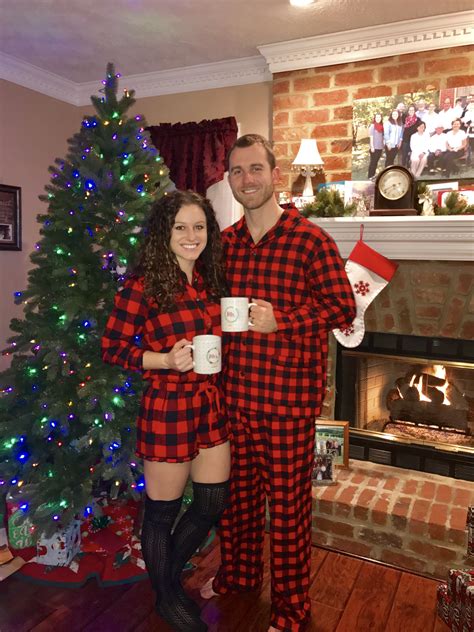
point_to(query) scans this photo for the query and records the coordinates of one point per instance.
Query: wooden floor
(348, 595)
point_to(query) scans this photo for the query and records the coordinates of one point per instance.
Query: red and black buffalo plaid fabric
(179, 412)
(271, 457)
(275, 385)
(296, 266)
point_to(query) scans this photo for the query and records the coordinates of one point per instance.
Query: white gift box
(61, 548)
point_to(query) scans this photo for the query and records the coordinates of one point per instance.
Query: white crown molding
(234, 72)
(29, 76)
(396, 38)
(442, 31)
(419, 238)
(222, 74)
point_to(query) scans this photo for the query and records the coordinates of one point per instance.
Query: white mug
(207, 355)
(235, 313)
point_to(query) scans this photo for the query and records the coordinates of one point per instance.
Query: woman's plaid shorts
(176, 420)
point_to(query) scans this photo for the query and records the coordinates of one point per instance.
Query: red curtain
(195, 152)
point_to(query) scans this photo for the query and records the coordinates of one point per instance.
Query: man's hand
(262, 318)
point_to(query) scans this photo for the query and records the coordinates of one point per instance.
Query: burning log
(412, 394)
(436, 396)
(392, 395)
(427, 396)
(428, 413)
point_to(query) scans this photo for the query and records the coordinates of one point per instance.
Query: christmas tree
(67, 419)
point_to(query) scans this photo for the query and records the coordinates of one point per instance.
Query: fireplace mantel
(438, 238)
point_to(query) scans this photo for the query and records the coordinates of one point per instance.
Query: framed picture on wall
(382, 130)
(10, 217)
(332, 437)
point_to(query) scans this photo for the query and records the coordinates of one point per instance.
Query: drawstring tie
(212, 393)
(198, 389)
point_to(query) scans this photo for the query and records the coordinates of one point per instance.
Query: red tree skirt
(89, 565)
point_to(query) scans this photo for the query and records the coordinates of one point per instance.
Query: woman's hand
(180, 357)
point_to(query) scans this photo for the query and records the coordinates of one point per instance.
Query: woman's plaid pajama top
(179, 412)
(275, 385)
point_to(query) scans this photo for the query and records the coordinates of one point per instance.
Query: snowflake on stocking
(369, 272)
(348, 331)
(362, 287)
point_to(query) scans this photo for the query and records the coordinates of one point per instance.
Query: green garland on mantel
(328, 203)
(455, 202)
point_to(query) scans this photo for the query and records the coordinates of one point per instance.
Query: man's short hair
(254, 139)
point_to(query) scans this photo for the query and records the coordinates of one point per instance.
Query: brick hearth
(412, 520)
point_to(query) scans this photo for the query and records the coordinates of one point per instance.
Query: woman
(419, 148)
(410, 125)
(376, 143)
(392, 136)
(456, 144)
(181, 428)
(468, 122)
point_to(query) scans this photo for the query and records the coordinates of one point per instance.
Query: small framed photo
(10, 217)
(332, 437)
(323, 470)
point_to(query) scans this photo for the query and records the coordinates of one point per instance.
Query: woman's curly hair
(163, 278)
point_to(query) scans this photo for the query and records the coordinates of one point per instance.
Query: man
(431, 119)
(421, 110)
(275, 383)
(446, 115)
(437, 149)
(469, 100)
(458, 108)
(402, 109)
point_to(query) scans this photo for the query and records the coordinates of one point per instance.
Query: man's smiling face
(251, 178)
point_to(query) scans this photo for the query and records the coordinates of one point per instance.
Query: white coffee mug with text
(235, 313)
(207, 354)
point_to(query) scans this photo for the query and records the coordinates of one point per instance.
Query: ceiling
(75, 41)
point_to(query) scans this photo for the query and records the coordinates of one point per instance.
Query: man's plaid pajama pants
(271, 457)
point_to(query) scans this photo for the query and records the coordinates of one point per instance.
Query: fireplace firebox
(410, 402)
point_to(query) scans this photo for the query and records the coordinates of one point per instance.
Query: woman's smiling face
(188, 235)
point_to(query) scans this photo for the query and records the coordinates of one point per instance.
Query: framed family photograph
(332, 437)
(10, 217)
(429, 132)
(323, 470)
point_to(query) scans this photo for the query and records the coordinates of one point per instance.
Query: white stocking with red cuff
(369, 272)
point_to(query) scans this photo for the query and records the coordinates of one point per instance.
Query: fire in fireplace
(410, 402)
(428, 397)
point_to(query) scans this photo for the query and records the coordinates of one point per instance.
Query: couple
(274, 378)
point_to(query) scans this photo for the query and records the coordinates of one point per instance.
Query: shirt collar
(286, 223)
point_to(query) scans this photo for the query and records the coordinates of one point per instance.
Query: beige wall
(251, 105)
(34, 129)
(33, 132)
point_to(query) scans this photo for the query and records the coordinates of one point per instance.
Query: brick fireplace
(397, 515)
(411, 520)
(410, 402)
(401, 515)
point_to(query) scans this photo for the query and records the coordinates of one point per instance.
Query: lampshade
(308, 153)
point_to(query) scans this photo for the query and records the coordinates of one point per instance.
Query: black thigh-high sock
(158, 520)
(209, 501)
